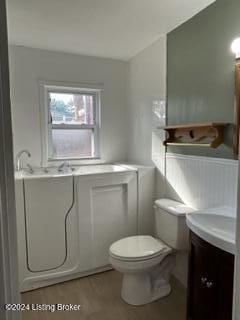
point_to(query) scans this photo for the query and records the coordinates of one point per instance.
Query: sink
(216, 226)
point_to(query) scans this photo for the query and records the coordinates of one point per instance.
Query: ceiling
(117, 29)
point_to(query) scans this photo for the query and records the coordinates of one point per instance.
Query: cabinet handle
(209, 284)
(204, 280)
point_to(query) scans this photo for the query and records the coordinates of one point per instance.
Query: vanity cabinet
(210, 285)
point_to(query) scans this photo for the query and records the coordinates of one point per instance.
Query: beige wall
(28, 66)
(147, 83)
(146, 86)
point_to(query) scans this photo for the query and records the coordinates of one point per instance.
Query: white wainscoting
(201, 182)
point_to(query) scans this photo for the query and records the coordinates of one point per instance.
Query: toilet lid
(137, 247)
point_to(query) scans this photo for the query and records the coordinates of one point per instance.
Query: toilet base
(135, 295)
(144, 287)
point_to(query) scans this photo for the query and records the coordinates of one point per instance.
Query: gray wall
(200, 70)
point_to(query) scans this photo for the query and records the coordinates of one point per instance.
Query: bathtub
(67, 220)
(74, 170)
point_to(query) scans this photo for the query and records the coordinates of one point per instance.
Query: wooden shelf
(184, 144)
(205, 134)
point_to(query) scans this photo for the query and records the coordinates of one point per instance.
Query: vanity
(211, 264)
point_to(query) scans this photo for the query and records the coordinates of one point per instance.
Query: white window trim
(56, 86)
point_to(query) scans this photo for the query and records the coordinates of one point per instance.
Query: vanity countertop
(216, 226)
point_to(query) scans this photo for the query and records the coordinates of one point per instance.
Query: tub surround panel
(146, 190)
(107, 208)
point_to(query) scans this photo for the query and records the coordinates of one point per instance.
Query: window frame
(46, 126)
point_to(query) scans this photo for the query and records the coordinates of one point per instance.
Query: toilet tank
(170, 223)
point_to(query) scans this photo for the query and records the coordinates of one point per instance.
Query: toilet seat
(138, 248)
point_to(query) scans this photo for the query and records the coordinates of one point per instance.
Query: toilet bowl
(147, 262)
(146, 266)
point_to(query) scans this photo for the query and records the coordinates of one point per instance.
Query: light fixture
(236, 47)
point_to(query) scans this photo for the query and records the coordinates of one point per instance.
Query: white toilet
(147, 262)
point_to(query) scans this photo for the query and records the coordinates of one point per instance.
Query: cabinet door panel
(210, 288)
(225, 292)
(203, 298)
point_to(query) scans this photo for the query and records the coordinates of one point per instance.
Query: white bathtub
(67, 221)
(74, 170)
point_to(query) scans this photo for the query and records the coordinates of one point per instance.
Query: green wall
(200, 72)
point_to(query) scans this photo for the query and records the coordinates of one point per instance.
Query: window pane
(71, 108)
(72, 143)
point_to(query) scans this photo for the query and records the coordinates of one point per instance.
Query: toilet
(147, 262)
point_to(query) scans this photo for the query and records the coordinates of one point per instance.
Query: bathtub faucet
(18, 159)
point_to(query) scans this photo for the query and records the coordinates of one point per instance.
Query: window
(72, 123)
